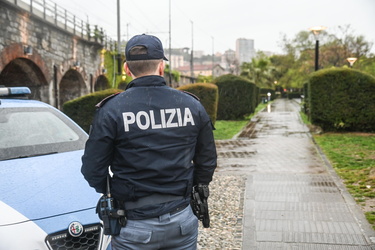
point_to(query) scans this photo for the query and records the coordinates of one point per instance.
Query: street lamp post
(192, 55)
(213, 57)
(316, 31)
(170, 46)
(119, 61)
(351, 61)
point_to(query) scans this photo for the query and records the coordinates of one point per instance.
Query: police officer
(158, 142)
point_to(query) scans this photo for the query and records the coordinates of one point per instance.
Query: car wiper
(27, 156)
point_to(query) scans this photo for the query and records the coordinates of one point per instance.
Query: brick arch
(16, 50)
(67, 65)
(101, 83)
(24, 72)
(71, 86)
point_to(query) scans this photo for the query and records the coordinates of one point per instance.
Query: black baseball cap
(153, 45)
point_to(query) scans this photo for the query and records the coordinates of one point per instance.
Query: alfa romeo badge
(75, 229)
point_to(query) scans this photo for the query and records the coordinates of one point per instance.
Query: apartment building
(245, 50)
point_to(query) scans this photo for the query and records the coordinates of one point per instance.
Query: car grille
(88, 240)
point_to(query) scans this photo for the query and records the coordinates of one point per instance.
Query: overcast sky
(216, 24)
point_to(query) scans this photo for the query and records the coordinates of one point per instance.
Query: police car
(45, 203)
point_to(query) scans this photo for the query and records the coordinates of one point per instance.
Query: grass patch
(227, 129)
(352, 155)
(371, 217)
(305, 118)
(259, 108)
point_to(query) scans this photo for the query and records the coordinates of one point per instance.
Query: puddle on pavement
(269, 108)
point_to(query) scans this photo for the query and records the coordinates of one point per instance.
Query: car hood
(49, 190)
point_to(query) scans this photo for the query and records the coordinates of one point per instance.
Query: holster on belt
(199, 203)
(111, 213)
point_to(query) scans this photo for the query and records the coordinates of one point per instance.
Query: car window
(33, 128)
(32, 131)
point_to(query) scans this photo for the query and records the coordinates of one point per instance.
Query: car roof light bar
(14, 91)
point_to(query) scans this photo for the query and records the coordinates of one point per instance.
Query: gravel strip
(226, 213)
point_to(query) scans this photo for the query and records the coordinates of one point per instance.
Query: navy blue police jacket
(156, 140)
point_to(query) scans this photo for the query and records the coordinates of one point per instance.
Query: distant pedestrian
(158, 142)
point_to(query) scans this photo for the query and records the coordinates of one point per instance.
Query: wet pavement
(293, 198)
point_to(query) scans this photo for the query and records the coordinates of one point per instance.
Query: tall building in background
(245, 50)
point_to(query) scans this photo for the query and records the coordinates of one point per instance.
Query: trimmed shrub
(82, 109)
(237, 97)
(208, 94)
(305, 102)
(305, 90)
(342, 100)
(256, 97)
(292, 95)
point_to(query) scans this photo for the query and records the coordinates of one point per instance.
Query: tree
(260, 71)
(298, 61)
(366, 65)
(292, 68)
(354, 45)
(341, 45)
(334, 47)
(282, 64)
(205, 79)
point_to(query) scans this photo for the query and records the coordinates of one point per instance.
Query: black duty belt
(151, 199)
(178, 209)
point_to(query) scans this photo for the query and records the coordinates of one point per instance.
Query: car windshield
(26, 132)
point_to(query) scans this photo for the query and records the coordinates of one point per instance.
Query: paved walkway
(293, 198)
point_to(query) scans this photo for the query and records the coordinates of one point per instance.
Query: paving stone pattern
(292, 198)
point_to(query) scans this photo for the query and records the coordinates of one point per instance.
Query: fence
(60, 17)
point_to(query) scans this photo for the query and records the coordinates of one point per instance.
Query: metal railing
(60, 17)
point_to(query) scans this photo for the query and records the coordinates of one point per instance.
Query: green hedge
(237, 97)
(305, 90)
(342, 100)
(82, 109)
(208, 94)
(292, 95)
(256, 99)
(305, 103)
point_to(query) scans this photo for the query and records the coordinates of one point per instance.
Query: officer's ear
(127, 70)
(161, 68)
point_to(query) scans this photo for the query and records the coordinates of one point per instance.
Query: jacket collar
(146, 81)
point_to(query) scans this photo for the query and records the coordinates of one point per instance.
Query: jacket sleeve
(205, 158)
(98, 151)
